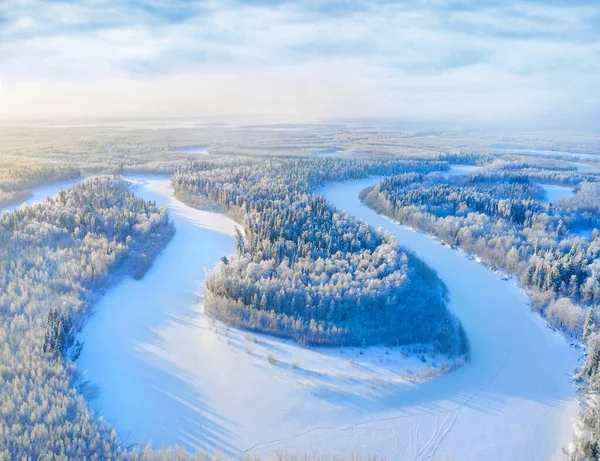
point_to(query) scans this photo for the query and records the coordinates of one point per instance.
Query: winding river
(166, 374)
(515, 399)
(39, 194)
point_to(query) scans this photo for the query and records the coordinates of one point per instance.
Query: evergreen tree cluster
(498, 214)
(307, 271)
(508, 226)
(497, 172)
(55, 257)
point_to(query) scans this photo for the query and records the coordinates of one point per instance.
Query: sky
(496, 62)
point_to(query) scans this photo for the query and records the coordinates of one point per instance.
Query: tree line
(16, 183)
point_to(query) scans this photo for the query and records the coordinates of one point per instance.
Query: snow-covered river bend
(515, 399)
(167, 374)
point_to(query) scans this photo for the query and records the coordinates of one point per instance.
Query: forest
(509, 226)
(300, 267)
(56, 257)
(313, 273)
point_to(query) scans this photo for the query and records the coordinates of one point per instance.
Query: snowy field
(585, 168)
(197, 150)
(556, 193)
(166, 373)
(331, 152)
(458, 170)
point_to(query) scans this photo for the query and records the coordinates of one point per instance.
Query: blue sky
(492, 61)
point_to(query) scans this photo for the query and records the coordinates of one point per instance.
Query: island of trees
(302, 270)
(306, 271)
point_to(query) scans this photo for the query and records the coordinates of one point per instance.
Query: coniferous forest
(56, 257)
(307, 271)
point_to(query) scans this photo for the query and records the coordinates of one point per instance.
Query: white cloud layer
(532, 62)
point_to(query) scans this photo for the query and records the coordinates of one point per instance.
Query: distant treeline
(15, 184)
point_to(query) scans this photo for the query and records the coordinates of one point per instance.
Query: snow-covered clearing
(458, 170)
(197, 150)
(585, 167)
(556, 193)
(331, 152)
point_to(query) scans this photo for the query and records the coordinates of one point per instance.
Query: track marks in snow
(429, 450)
(446, 432)
(441, 431)
(284, 439)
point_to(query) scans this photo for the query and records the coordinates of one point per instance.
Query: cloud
(427, 59)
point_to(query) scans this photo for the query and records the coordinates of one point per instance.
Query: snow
(515, 399)
(585, 167)
(556, 193)
(39, 194)
(198, 150)
(458, 170)
(331, 152)
(166, 373)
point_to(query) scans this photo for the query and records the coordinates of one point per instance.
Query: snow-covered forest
(310, 272)
(509, 225)
(55, 258)
(499, 213)
(302, 270)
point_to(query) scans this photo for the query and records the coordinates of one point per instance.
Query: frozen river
(556, 193)
(196, 150)
(166, 373)
(39, 194)
(515, 399)
(459, 170)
